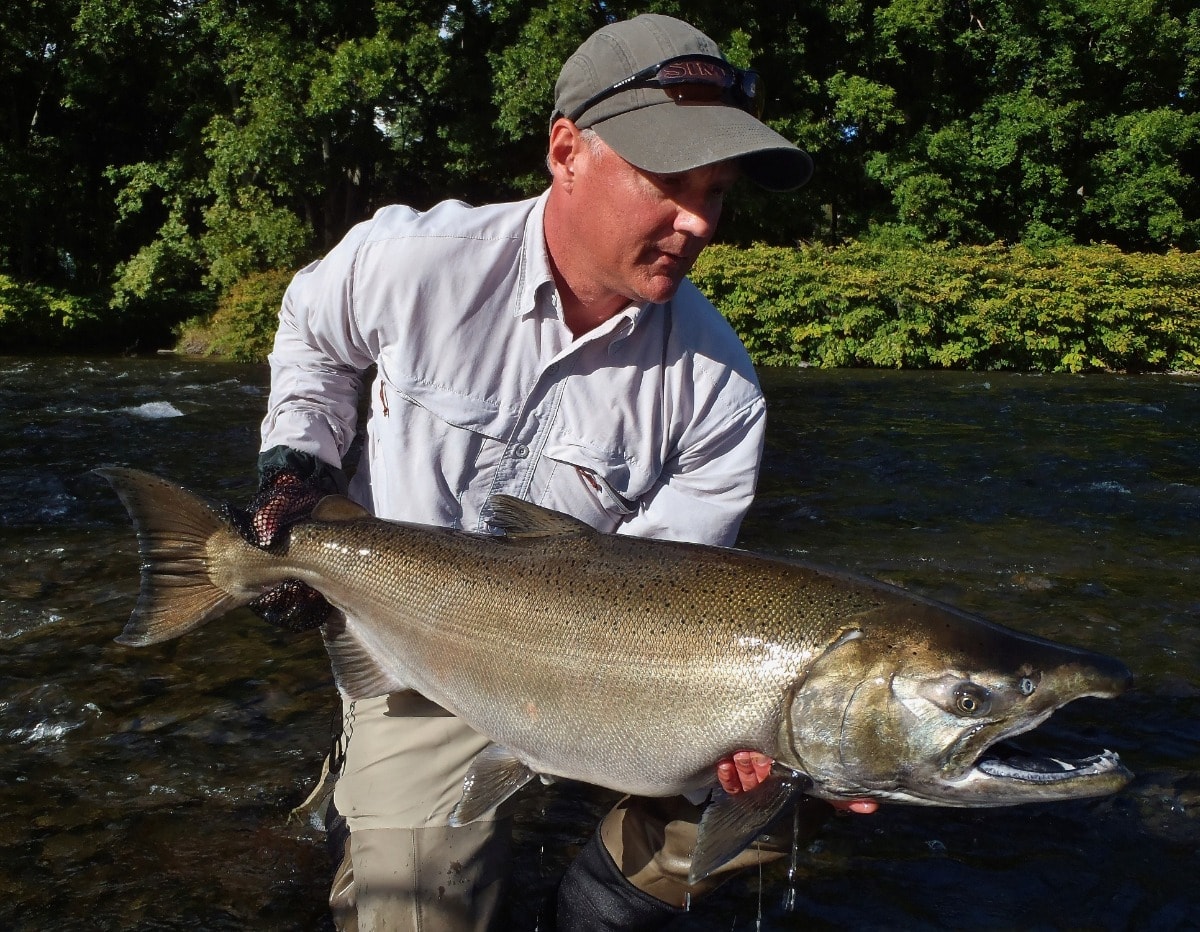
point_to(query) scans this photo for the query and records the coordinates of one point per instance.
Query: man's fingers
(728, 778)
(279, 507)
(744, 761)
(752, 768)
(264, 528)
(292, 605)
(743, 772)
(861, 806)
(747, 769)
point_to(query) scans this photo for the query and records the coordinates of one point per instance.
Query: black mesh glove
(291, 484)
(283, 500)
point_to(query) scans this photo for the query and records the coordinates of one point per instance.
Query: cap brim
(670, 137)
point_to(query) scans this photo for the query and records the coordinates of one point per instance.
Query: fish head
(909, 703)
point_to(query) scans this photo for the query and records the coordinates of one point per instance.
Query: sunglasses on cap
(690, 79)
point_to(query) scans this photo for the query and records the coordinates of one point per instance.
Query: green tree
(325, 111)
(1039, 102)
(41, 194)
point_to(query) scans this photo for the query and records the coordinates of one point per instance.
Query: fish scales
(676, 625)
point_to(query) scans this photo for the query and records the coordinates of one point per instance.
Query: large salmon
(637, 664)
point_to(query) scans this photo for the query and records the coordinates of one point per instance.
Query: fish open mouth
(1030, 764)
(1008, 763)
(1007, 773)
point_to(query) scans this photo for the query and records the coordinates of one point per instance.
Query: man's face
(641, 231)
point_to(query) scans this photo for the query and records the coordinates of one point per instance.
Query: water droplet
(789, 899)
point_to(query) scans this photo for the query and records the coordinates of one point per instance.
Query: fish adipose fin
(357, 674)
(731, 823)
(173, 530)
(495, 774)
(518, 518)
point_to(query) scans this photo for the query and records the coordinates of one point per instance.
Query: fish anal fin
(333, 509)
(731, 823)
(494, 775)
(355, 671)
(518, 519)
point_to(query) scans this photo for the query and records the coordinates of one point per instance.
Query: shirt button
(520, 451)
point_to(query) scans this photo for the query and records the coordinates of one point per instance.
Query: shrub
(1060, 308)
(243, 325)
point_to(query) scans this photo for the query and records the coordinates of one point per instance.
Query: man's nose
(698, 219)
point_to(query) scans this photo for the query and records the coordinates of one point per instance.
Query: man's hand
(743, 771)
(747, 769)
(861, 806)
(283, 500)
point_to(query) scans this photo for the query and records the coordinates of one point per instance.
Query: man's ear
(564, 149)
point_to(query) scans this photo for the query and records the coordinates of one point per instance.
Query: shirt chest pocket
(456, 449)
(448, 407)
(596, 486)
(435, 443)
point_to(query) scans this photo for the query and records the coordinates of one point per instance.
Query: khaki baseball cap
(673, 119)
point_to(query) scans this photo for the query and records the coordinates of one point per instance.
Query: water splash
(153, 410)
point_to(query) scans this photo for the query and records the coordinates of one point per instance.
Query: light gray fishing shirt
(651, 424)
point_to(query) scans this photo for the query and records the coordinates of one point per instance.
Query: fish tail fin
(174, 527)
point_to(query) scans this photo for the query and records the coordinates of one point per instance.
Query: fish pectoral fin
(494, 775)
(357, 674)
(731, 823)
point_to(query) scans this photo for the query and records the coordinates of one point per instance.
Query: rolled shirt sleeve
(705, 491)
(318, 360)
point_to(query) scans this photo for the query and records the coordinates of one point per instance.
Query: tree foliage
(153, 153)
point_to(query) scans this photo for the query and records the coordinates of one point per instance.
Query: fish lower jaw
(1014, 779)
(996, 780)
(1044, 771)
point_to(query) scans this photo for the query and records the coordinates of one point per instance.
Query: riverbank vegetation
(1046, 309)
(162, 165)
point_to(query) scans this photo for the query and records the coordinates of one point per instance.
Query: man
(550, 349)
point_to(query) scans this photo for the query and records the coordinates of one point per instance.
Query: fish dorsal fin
(355, 671)
(517, 518)
(337, 508)
(494, 775)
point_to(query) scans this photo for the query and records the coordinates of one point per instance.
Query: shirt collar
(536, 280)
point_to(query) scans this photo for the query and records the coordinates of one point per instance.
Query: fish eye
(1027, 686)
(972, 699)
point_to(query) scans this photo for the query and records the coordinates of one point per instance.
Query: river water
(150, 788)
